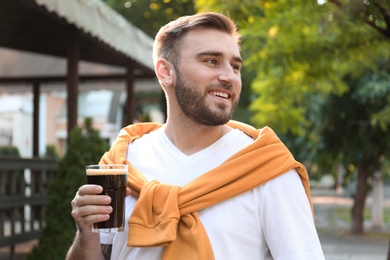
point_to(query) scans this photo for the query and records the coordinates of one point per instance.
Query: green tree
(150, 15)
(85, 147)
(304, 51)
(350, 134)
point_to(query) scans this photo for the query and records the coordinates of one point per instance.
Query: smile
(219, 94)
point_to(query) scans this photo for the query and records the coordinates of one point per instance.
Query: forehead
(205, 40)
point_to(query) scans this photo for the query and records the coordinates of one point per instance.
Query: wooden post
(130, 100)
(36, 119)
(72, 80)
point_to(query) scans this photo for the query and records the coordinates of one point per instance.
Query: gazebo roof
(77, 30)
(45, 26)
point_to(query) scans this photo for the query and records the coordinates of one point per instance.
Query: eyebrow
(218, 54)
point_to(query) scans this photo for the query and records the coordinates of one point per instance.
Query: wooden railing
(23, 185)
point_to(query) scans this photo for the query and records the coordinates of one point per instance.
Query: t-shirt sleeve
(287, 219)
(107, 238)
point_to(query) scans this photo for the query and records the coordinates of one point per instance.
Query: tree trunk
(339, 179)
(357, 225)
(377, 202)
(388, 252)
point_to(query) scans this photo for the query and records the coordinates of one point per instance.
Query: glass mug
(113, 179)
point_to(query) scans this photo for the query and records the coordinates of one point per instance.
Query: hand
(89, 207)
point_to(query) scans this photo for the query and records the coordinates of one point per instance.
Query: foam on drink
(106, 171)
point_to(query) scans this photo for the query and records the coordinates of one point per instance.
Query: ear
(165, 72)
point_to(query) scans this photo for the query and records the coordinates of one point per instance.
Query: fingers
(87, 215)
(89, 207)
(90, 189)
(128, 192)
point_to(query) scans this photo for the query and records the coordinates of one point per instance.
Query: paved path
(353, 248)
(337, 244)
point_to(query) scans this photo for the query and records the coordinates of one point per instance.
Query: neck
(192, 137)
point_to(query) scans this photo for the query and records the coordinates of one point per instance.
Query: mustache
(225, 86)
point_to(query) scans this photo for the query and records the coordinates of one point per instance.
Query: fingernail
(99, 189)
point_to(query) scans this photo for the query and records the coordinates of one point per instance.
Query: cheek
(197, 79)
(238, 85)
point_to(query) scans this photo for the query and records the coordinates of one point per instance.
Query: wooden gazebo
(76, 30)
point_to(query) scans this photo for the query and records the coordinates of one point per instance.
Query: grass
(344, 214)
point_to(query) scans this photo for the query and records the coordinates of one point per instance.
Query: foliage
(351, 114)
(9, 151)
(322, 78)
(85, 147)
(150, 15)
(306, 57)
(51, 152)
(302, 49)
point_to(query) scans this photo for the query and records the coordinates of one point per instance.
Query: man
(202, 186)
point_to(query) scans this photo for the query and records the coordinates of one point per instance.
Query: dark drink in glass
(113, 179)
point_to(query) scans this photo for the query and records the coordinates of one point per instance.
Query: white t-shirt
(272, 221)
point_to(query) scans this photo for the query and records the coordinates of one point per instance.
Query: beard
(193, 104)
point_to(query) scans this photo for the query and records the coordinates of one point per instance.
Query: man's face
(208, 78)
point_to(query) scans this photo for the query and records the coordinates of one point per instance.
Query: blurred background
(73, 73)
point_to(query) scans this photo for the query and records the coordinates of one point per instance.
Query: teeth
(219, 94)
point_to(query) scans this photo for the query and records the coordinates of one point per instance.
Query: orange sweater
(166, 215)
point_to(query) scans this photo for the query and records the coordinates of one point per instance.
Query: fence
(23, 185)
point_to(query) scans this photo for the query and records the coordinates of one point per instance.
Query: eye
(236, 67)
(211, 61)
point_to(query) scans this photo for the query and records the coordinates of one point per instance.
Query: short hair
(170, 36)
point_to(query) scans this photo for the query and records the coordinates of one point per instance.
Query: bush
(51, 152)
(9, 151)
(85, 147)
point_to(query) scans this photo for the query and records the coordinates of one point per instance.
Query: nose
(228, 74)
